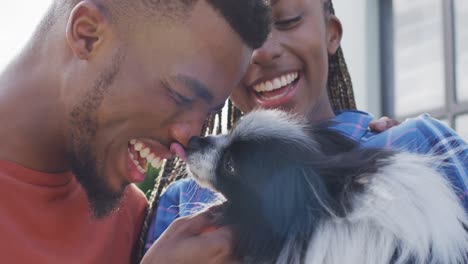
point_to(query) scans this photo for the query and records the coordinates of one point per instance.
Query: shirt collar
(354, 124)
(26, 175)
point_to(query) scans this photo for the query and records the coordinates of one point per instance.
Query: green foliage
(147, 185)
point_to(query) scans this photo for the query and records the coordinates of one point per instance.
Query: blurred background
(409, 57)
(406, 57)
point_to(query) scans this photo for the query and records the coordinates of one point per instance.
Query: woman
(301, 69)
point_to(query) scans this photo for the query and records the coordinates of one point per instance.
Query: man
(97, 77)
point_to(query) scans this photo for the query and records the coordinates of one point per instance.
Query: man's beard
(102, 200)
(86, 166)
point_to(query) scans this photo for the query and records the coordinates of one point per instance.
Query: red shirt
(45, 219)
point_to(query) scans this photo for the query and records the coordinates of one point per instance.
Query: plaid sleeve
(443, 141)
(165, 214)
(182, 198)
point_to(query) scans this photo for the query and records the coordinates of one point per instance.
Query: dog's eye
(228, 163)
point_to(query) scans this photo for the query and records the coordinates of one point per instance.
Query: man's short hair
(251, 19)
(328, 7)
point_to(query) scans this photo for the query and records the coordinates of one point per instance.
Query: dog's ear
(276, 211)
(330, 141)
(295, 197)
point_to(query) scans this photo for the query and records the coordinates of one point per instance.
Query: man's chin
(104, 203)
(103, 198)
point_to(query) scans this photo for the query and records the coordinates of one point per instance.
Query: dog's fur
(301, 194)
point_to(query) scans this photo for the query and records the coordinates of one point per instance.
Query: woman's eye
(287, 23)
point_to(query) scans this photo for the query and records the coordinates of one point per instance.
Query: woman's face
(290, 70)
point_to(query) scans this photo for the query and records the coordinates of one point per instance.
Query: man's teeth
(144, 153)
(155, 162)
(276, 83)
(141, 170)
(137, 164)
(137, 145)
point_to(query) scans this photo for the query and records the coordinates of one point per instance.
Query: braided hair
(339, 85)
(340, 93)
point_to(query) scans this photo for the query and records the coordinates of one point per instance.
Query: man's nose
(182, 132)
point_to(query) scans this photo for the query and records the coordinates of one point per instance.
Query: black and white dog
(301, 194)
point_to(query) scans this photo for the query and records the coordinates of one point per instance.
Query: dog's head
(279, 176)
(262, 143)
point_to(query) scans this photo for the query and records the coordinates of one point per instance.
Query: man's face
(147, 91)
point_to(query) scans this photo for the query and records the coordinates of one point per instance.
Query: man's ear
(86, 29)
(334, 34)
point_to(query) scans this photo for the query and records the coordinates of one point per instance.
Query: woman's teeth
(276, 83)
(144, 154)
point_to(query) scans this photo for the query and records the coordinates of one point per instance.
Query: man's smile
(144, 152)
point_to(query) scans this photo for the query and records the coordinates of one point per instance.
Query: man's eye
(287, 23)
(177, 97)
(180, 98)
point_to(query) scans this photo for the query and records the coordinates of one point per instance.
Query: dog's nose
(196, 143)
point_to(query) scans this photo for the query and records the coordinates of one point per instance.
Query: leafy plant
(147, 185)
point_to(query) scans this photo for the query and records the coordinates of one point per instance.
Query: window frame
(452, 107)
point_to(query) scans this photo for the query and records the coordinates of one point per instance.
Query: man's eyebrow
(200, 89)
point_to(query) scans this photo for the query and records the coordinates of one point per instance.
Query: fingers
(185, 242)
(222, 235)
(379, 125)
(383, 124)
(178, 248)
(394, 122)
(220, 243)
(193, 225)
(217, 242)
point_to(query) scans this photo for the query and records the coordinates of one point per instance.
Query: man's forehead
(271, 2)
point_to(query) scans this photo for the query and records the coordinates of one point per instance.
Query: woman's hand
(383, 124)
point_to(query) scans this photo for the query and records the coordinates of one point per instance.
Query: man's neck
(31, 117)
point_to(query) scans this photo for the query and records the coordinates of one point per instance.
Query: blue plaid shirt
(422, 134)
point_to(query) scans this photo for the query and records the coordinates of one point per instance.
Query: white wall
(18, 20)
(361, 48)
